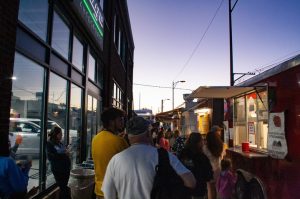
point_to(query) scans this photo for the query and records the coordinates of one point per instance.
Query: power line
(277, 61)
(155, 86)
(199, 42)
(273, 63)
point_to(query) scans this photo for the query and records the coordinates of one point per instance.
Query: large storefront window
(117, 96)
(57, 109)
(77, 54)
(60, 36)
(75, 123)
(34, 14)
(251, 119)
(93, 122)
(92, 67)
(27, 114)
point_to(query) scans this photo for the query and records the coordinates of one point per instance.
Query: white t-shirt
(130, 173)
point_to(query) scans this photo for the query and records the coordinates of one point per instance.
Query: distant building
(145, 113)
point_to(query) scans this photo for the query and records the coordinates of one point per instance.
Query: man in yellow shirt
(106, 144)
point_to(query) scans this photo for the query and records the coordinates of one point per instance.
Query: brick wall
(8, 27)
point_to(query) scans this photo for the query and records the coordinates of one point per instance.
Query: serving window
(251, 119)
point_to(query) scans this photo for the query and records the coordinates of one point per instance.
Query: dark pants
(17, 195)
(62, 179)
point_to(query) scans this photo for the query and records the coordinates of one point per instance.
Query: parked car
(30, 133)
(30, 130)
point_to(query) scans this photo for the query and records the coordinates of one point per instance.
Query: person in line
(194, 159)
(58, 156)
(107, 143)
(13, 178)
(154, 132)
(213, 149)
(162, 141)
(130, 173)
(14, 149)
(226, 181)
(179, 143)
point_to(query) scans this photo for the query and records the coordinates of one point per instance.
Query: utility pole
(173, 87)
(139, 100)
(230, 9)
(162, 104)
(230, 46)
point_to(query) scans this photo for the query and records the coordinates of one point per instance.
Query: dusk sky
(166, 32)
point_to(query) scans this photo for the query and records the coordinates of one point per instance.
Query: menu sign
(277, 146)
(91, 14)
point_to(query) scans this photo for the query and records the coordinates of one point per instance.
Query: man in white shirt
(130, 173)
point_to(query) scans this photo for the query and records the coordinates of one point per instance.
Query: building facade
(62, 63)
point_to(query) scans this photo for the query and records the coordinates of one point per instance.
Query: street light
(173, 87)
(162, 104)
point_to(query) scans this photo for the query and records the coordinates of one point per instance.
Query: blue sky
(166, 32)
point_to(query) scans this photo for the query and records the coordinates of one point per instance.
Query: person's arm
(16, 178)
(14, 148)
(185, 174)
(108, 185)
(188, 180)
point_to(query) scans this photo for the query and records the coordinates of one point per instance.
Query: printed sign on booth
(277, 146)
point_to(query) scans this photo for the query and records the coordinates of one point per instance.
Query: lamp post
(162, 104)
(173, 87)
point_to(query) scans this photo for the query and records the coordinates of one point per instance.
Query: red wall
(281, 178)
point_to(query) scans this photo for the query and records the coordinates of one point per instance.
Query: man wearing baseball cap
(130, 173)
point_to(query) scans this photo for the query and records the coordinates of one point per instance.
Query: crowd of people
(128, 171)
(126, 158)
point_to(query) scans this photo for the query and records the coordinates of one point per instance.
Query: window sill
(252, 154)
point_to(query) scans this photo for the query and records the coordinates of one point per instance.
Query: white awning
(219, 91)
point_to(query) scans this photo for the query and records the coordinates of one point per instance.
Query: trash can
(81, 183)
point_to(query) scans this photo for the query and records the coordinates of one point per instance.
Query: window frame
(67, 23)
(245, 122)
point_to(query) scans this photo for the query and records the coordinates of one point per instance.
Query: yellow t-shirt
(104, 146)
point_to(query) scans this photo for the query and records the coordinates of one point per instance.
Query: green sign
(93, 9)
(90, 13)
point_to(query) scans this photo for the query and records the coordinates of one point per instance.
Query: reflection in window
(57, 100)
(117, 96)
(26, 111)
(57, 108)
(77, 54)
(93, 118)
(34, 14)
(100, 74)
(119, 42)
(75, 124)
(92, 67)
(60, 36)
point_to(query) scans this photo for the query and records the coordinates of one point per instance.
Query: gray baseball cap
(137, 125)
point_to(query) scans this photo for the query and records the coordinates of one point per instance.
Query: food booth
(263, 113)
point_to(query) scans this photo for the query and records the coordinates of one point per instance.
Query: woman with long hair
(162, 141)
(58, 156)
(213, 149)
(195, 160)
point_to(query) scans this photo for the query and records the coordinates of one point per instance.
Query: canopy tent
(219, 91)
(168, 115)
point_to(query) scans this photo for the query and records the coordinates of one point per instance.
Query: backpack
(167, 183)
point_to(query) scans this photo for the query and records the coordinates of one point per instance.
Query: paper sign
(277, 146)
